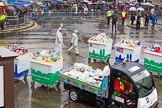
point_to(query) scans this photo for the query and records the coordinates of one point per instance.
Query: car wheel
(74, 95)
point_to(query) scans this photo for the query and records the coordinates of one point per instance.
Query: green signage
(153, 66)
(101, 55)
(47, 79)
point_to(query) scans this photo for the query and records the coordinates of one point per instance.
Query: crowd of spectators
(42, 8)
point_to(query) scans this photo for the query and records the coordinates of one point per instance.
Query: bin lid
(4, 52)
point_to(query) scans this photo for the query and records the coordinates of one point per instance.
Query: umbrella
(5, 3)
(132, 9)
(120, 2)
(131, 4)
(19, 4)
(39, 3)
(54, 1)
(26, 2)
(101, 2)
(31, 1)
(140, 9)
(1, 4)
(85, 1)
(148, 4)
(60, 1)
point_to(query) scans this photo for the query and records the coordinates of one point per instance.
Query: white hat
(76, 31)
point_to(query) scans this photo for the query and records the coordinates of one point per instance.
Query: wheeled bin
(153, 61)
(127, 52)
(21, 65)
(100, 48)
(46, 73)
(22, 62)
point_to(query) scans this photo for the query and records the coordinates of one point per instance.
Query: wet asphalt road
(43, 37)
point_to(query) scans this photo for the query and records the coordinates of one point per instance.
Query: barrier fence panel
(16, 21)
(59, 15)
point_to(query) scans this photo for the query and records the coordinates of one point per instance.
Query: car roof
(129, 68)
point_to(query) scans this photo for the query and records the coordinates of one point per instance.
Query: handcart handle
(65, 70)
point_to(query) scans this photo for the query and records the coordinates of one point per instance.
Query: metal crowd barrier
(16, 21)
(66, 14)
(59, 15)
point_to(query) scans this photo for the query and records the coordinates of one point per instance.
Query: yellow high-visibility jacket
(108, 13)
(2, 17)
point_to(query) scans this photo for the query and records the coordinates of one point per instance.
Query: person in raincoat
(75, 8)
(114, 20)
(2, 19)
(74, 43)
(123, 16)
(59, 41)
(132, 18)
(108, 15)
(138, 19)
(153, 20)
(46, 10)
(147, 18)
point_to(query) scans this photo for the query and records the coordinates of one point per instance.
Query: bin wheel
(89, 60)
(58, 85)
(94, 60)
(74, 95)
(48, 88)
(25, 77)
(32, 84)
(107, 61)
(16, 80)
(159, 75)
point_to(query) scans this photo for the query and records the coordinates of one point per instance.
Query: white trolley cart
(46, 73)
(123, 52)
(100, 50)
(153, 61)
(21, 66)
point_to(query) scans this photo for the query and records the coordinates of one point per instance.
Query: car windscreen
(144, 82)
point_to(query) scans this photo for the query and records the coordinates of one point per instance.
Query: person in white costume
(59, 41)
(74, 43)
